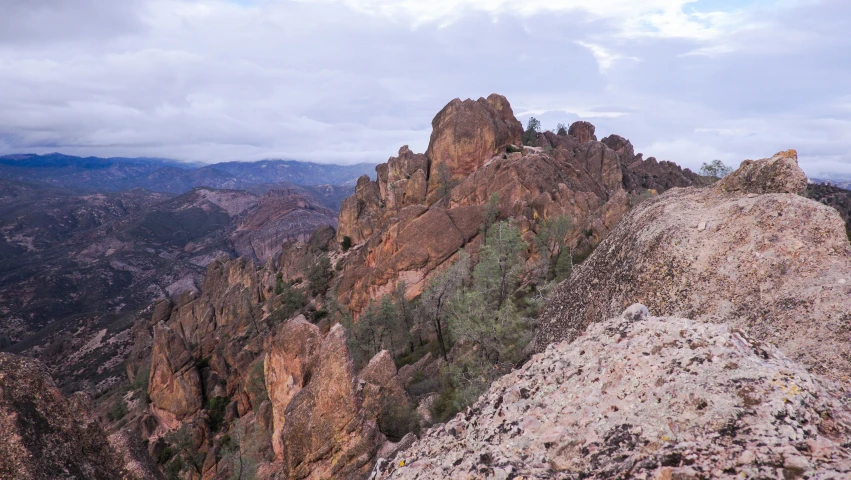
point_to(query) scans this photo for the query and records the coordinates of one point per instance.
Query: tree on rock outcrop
(715, 168)
(319, 274)
(530, 136)
(484, 313)
(434, 301)
(550, 245)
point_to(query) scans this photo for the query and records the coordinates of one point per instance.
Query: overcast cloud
(353, 80)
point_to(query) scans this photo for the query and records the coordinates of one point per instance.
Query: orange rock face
(174, 385)
(287, 369)
(326, 433)
(467, 133)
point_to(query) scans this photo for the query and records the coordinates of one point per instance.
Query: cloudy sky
(353, 80)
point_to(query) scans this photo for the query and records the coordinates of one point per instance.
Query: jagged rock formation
(292, 378)
(46, 436)
(422, 208)
(175, 384)
(74, 267)
(776, 265)
(467, 133)
(327, 433)
(645, 397)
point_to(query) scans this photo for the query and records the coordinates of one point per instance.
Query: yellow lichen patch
(790, 389)
(401, 463)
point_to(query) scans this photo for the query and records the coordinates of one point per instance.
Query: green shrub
(346, 244)
(279, 283)
(118, 410)
(319, 275)
(203, 363)
(165, 455)
(140, 381)
(256, 387)
(216, 411)
(173, 469)
(397, 420)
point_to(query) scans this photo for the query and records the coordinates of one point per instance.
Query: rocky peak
(582, 131)
(402, 230)
(645, 397)
(467, 133)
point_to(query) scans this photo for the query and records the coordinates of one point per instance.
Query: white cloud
(352, 80)
(664, 18)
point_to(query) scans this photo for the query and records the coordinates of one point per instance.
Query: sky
(347, 81)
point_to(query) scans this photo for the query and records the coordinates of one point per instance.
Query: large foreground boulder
(43, 435)
(776, 265)
(645, 397)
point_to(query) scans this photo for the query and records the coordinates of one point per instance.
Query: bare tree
(438, 294)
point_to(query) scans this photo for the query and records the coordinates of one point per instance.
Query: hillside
(76, 268)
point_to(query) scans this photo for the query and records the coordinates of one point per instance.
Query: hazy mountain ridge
(836, 181)
(163, 175)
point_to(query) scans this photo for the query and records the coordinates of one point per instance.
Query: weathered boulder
(43, 435)
(776, 265)
(646, 398)
(326, 433)
(582, 131)
(383, 386)
(174, 385)
(778, 174)
(467, 133)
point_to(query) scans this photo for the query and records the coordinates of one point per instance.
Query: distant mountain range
(170, 176)
(836, 181)
(86, 244)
